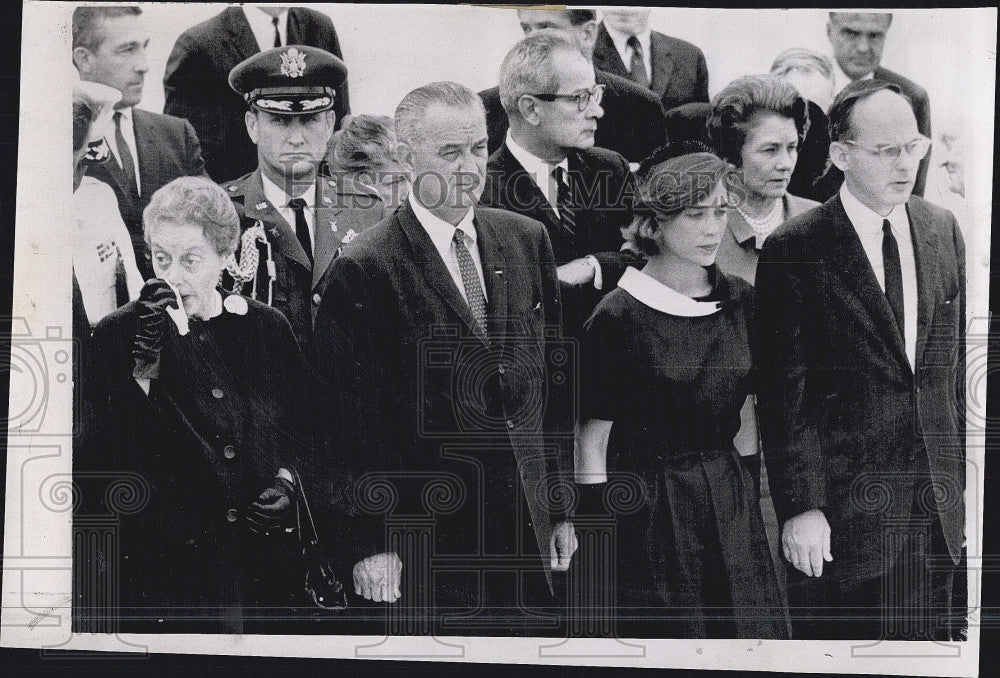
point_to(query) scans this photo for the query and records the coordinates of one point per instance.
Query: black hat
(291, 80)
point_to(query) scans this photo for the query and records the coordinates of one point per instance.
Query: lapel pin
(326, 199)
(333, 225)
(349, 236)
(260, 205)
(498, 271)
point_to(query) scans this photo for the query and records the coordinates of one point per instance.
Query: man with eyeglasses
(861, 307)
(858, 39)
(548, 169)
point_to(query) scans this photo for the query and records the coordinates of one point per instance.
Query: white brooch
(235, 304)
(293, 63)
(333, 225)
(260, 205)
(351, 235)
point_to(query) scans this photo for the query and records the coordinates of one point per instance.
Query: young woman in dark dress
(666, 368)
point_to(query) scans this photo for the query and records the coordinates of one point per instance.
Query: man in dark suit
(548, 169)
(861, 308)
(633, 117)
(149, 150)
(857, 40)
(293, 218)
(195, 78)
(674, 69)
(437, 325)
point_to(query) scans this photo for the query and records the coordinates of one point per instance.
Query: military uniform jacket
(290, 283)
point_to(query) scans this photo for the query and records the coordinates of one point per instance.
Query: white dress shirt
(868, 225)
(99, 239)
(841, 79)
(279, 200)
(262, 25)
(541, 173)
(128, 132)
(442, 235)
(625, 51)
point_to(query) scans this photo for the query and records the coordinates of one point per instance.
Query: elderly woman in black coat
(203, 409)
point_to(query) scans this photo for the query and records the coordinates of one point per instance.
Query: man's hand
(805, 540)
(576, 272)
(562, 546)
(272, 509)
(377, 577)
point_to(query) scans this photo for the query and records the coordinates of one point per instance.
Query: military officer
(293, 218)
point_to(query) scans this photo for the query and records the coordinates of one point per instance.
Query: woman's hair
(802, 58)
(366, 143)
(674, 177)
(734, 107)
(198, 201)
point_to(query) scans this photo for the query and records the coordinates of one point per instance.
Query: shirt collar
(258, 17)
(866, 220)
(621, 40)
(277, 196)
(659, 297)
(533, 165)
(440, 231)
(842, 79)
(126, 117)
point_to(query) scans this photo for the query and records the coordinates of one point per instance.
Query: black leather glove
(274, 509)
(153, 301)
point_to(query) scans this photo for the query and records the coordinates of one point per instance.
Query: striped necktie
(564, 199)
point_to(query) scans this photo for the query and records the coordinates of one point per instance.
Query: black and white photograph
(593, 335)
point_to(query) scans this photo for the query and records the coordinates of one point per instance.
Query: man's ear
(81, 59)
(404, 155)
(528, 107)
(839, 155)
(250, 118)
(589, 33)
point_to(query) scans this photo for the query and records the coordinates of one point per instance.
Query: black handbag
(321, 584)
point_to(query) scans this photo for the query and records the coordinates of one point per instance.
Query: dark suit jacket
(632, 123)
(601, 181)
(847, 424)
(921, 109)
(167, 148)
(343, 210)
(679, 76)
(393, 332)
(197, 87)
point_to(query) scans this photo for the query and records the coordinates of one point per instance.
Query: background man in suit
(674, 69)
(857, 40)
(293, 219)
(633, 117)
(548, 168)
(434, 324)
(861, 307)
(195, 79)
(149, 150)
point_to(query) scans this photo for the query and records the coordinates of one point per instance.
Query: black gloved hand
(273, 510)
(153, 301)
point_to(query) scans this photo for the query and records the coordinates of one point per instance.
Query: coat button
(203, 336)
(217, 393)
(317, 299)
(510, 423)
(229, 451)
(231, 515)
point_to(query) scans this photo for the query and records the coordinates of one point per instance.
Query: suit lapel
(426, 256)
(525, 191)
(242, 38)
(279, 232)
(145, 147)
(606, 56)
(850, 262)
(662, 63)
(327, 239)
(925, 247)
(494, 273)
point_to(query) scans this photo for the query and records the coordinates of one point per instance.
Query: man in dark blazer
(439, 327)
(548, 169)
(673, 69)
(195, 78)
(293, 218)
(633, 117)
(857, 40)
(149, 150)
(861, 307)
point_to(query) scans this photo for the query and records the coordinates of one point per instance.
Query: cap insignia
(293, 63)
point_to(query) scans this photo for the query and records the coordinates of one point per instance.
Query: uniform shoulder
(235, 188)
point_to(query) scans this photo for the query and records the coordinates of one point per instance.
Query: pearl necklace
(764, 226)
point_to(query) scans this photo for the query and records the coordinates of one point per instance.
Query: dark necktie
(470, 280)
(893, 276)
(121, 282)
(127, 164)
(298, 206)
(564, 199)
(637, 69)
(277, 33)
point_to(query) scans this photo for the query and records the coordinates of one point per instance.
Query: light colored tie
(470, 280)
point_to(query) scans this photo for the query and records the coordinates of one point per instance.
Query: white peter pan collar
(659, 297)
